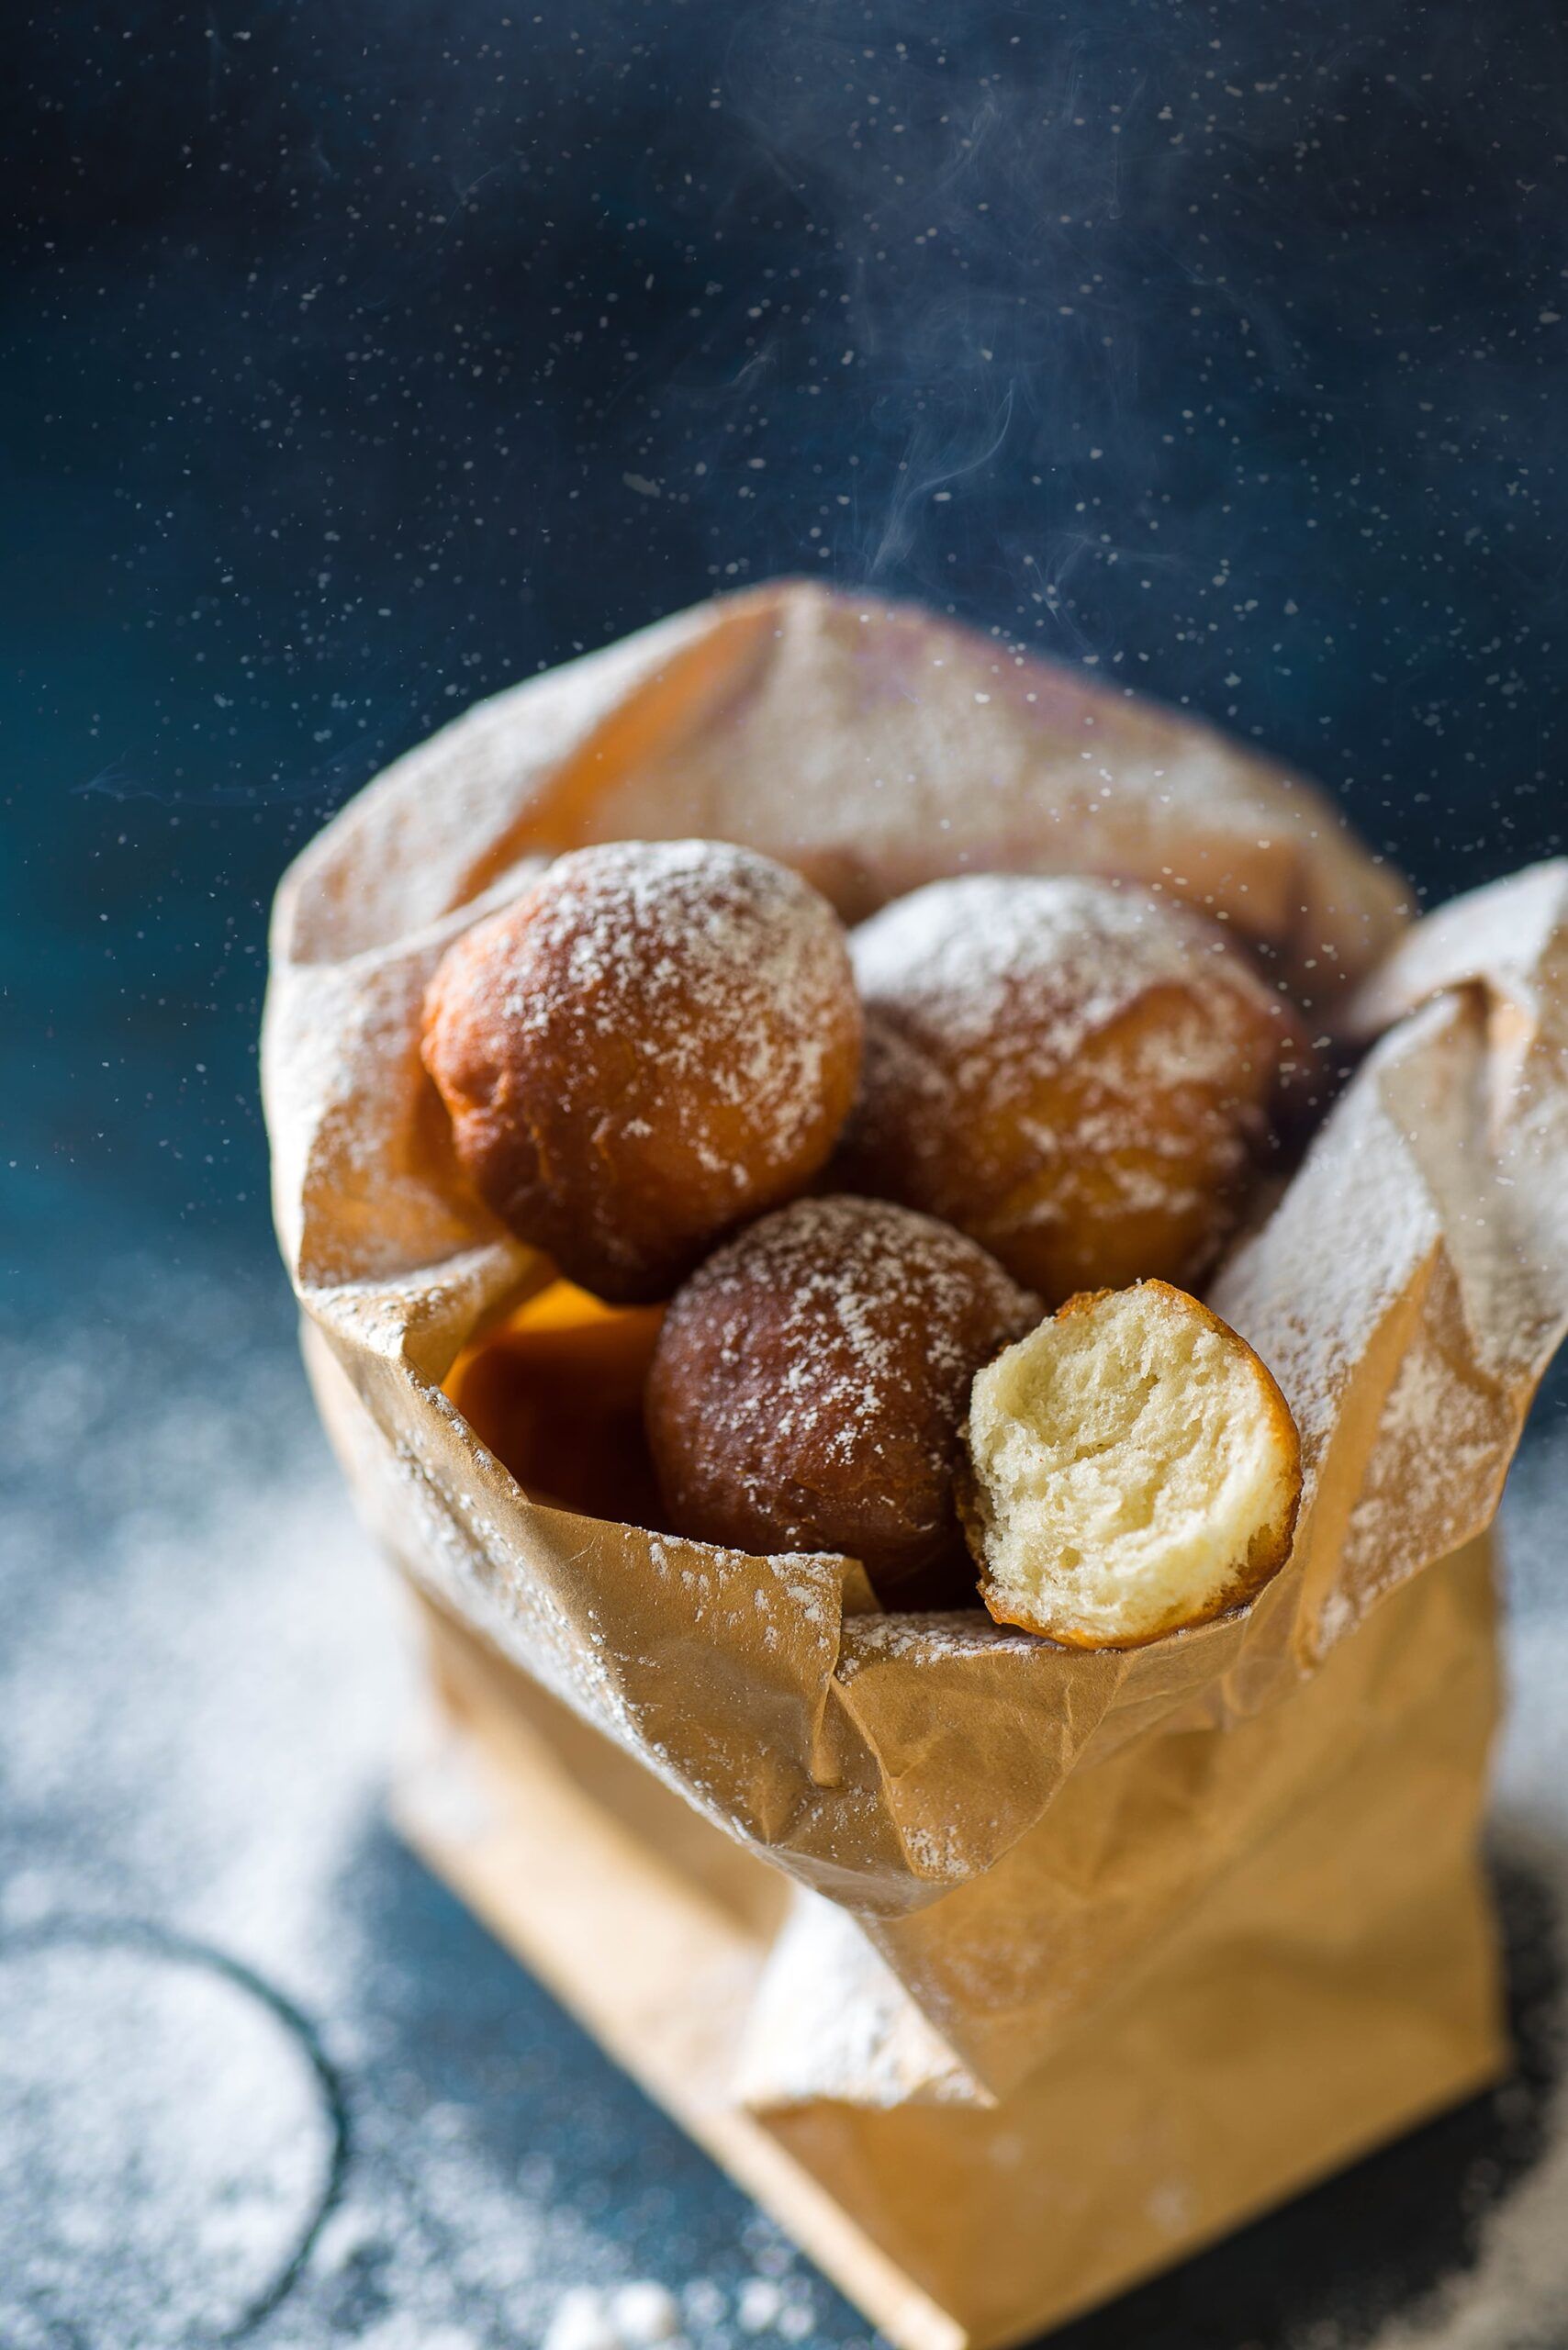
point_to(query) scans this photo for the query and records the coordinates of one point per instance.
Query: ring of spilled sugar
(165, 2148)
(1134, 1468)
(724, 965)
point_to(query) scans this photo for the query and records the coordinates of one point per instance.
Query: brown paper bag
(1088, 1955)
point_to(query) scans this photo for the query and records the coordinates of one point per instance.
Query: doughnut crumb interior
(1133, 1470)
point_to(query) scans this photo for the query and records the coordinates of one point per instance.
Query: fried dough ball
(1134, 1469)
(1080, 1078)
(655, 1041)
(809, 1381)
(556, 1394)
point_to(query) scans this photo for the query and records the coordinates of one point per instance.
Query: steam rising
(1220, 348)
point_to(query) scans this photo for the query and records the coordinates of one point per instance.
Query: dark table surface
(355, 364)
(230, 2002)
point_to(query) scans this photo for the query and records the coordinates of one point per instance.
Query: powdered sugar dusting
(830, 2019)
(845, 1289)
(626, 2317)
(724, 968)
(1344, 1242)
(925, 1637)
(960, 957)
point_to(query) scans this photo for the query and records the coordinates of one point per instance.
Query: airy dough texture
(1134, 1469)
(655, 1041)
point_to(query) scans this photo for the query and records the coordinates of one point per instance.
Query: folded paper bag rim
(1057, 774)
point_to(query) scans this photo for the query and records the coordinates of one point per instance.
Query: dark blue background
(356, 360)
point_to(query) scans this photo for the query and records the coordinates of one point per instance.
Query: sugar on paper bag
(1010, 1839)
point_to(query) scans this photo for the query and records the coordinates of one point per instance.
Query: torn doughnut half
(1133, 1469)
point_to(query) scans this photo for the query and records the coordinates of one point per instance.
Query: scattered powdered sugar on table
(187, 2176)
(626, 2317)
(646, 2314)
(202, 1678)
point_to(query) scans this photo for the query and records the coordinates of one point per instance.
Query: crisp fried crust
(655, 1041)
